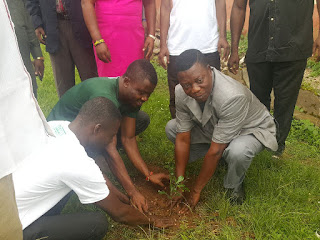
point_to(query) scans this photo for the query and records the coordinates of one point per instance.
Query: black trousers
(77, 226)
(285, 79)
(70, 54)
(213, 60)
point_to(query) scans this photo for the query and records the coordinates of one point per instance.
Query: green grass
(283, 195)
(243, 44)
(314, 66)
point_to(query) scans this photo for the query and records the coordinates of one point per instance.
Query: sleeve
(183, 117)
(33, 7)
(231, 119)
(33, 40)
(131, 114)
(87, 181)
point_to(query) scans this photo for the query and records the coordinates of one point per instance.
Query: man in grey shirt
(216, 117)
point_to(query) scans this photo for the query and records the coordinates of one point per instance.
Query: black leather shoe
(237, 196)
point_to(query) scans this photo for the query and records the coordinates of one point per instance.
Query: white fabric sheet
(22, 124)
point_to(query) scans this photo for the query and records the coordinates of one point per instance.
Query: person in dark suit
(60, 26)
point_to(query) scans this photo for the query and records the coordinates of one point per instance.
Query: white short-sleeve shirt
(48, 175)
(193, 24)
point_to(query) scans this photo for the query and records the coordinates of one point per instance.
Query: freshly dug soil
(159, 204)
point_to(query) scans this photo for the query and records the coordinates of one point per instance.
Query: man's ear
(97, 128)
(126, 82)
(210, 70)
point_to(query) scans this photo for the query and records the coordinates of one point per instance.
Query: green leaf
(180, 179)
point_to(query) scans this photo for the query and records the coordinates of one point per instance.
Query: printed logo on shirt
(59, 130)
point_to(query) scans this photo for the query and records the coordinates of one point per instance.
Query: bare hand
(162, 222)
(41, 35)
(192, 201)
(316, 46)
(123, 198)
(138, 201)
(148, 45)
(38, 68)
(223, 44)
(103, 53)
(176, 200)
(164, 57)
(158, 178)
(233, 63)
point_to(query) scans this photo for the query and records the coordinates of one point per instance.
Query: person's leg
(239, 155)
(82, 57)
(197, 150)
(172, 83)
(142, 122)
(287, 81)
(77, 226)
(56, 209)
(260, 76)
(10, 226)
(213, 59)
(62, 62)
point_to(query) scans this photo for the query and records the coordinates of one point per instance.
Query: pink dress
(120, 25)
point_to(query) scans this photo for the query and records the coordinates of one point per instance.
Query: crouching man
(216, 117)
(50, 175)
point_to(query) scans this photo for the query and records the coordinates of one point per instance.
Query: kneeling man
(216, 117)
(46, 179)
(128, 93)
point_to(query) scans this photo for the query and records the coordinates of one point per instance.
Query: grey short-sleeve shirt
(231, 110)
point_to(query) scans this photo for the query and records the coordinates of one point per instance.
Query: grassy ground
(283, 195)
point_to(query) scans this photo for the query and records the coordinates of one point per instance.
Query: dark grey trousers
(238, 155)
(70, 54)
(285, 78)
(76, 226)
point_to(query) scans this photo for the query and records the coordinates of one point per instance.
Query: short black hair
(99, 110)
(140, 70)
(188, 58)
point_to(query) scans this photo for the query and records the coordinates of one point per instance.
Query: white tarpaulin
(22, 124)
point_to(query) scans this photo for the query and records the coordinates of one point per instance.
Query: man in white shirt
(193, 25)
(44, 182)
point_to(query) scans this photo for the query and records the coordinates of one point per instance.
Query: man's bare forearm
(121, 212)
(164, 21)
(318, 10)
(132, 150)
(182, 152)
(118, 168)
(221, 17)
(209, 166)
(237, 19)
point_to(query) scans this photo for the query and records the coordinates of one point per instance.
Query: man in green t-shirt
(128, 93)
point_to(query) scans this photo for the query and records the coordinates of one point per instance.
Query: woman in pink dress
(116, 29)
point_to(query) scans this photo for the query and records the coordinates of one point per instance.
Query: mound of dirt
(160, 205)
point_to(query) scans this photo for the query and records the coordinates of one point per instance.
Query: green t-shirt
(69, 105)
